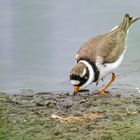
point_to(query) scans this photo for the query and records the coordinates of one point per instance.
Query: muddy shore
(61, 116)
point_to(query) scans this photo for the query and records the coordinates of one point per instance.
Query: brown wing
(113, 45)
(89, 49)
(108, 46)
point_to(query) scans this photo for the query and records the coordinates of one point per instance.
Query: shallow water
(39, 39)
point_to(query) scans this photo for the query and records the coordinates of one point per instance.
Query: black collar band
(94, 67)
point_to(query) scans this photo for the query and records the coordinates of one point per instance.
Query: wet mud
(62, 116)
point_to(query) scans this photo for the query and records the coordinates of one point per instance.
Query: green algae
(23, 118)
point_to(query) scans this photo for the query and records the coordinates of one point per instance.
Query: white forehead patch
(75, 82)
(84, 72)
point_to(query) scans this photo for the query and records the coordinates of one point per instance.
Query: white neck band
(91, 73)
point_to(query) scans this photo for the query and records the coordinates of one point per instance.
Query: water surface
(39, 40)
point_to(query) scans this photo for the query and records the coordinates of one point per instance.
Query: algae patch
(4, 128)
(57, 116)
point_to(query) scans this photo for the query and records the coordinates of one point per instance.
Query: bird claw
(102, 91)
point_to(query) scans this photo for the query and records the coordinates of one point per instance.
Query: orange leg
(102, 91)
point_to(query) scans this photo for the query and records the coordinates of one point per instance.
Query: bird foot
(102, 91)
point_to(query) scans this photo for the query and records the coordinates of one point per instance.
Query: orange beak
(76, 89)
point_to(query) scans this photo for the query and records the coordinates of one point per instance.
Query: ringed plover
(100, 55)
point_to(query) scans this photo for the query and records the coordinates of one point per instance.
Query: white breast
(108, 68)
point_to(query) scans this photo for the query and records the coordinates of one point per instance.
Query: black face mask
(82, 80)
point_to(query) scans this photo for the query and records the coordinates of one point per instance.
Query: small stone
(24, 121)
(82, 101)
(118, 95)
(58, 134)
(50, 104)
(67, 104)
(74, 129)
(39, 104)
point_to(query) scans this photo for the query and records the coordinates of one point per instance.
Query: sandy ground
(61, 116)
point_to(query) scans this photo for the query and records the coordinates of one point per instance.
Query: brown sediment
(59, 115)
(81, 119)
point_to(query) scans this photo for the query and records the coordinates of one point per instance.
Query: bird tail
(127, 21)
